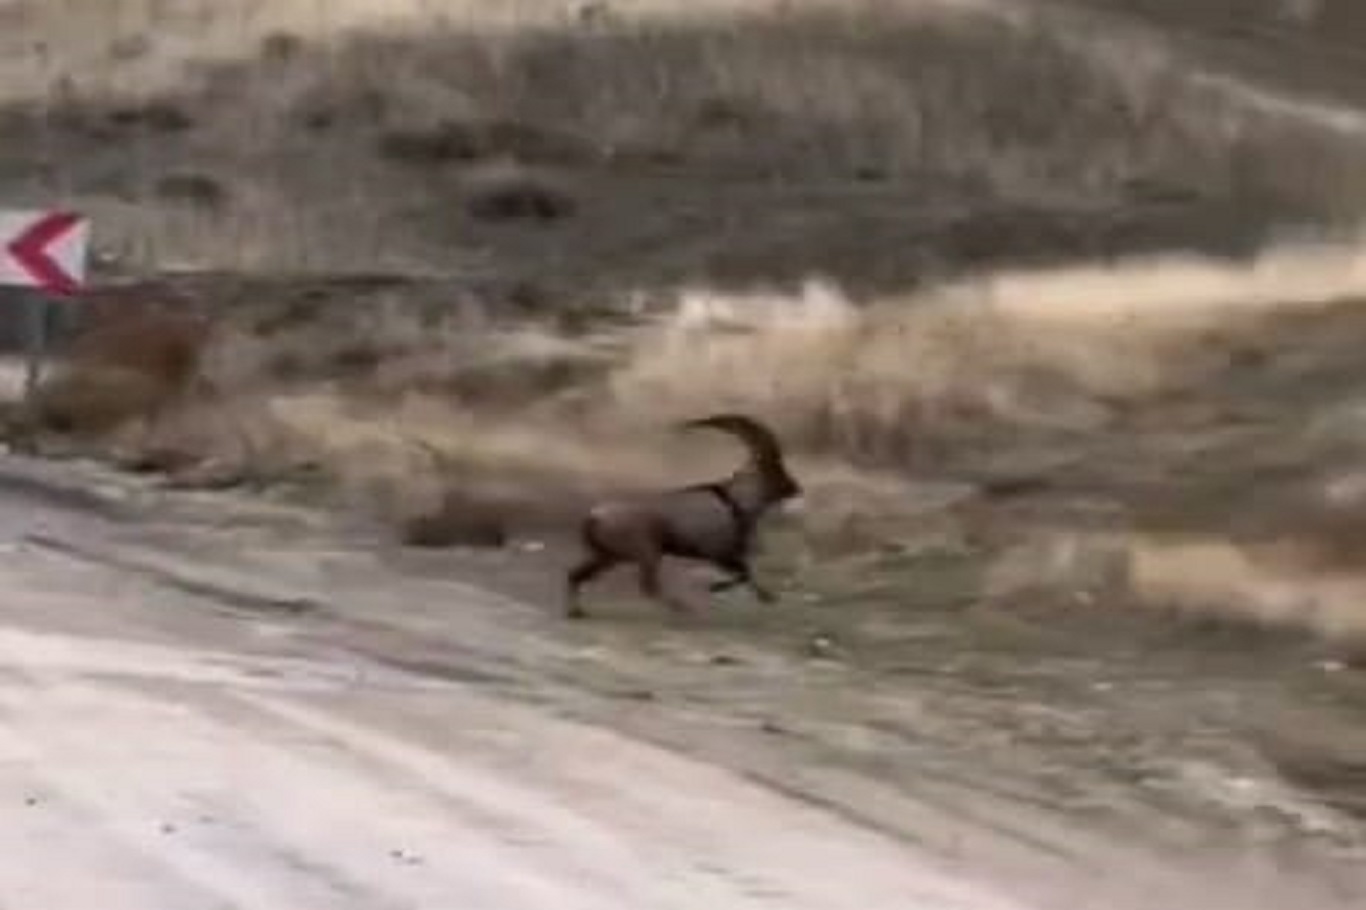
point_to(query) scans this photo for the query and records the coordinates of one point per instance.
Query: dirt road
(212, 703)
(156, 752)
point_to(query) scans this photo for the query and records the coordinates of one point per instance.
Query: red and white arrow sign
(43, 250)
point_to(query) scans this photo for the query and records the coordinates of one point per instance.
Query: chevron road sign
(44, 254)
(45, 251)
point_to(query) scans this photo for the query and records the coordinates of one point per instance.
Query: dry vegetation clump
(127, 362)
(1067, 350)
(457, 519)
(509, 191)
(1205, 580)
(531, 418)
(422, 412)
(1268, 586)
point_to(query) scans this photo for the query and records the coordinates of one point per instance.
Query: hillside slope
(741, 141)
(1309, 46)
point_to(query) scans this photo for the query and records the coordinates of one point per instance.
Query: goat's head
(765, 454)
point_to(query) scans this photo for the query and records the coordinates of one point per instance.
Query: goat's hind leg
(593, 565)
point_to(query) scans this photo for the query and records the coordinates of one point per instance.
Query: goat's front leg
(741, 573)
(650, 567)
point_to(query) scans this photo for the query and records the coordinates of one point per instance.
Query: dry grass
(1051, 349)
(1205, 579)
(525, 413)
(1222, 579)
(1062, 348)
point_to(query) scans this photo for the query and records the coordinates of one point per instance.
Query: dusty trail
(259, 713)
(157, 753)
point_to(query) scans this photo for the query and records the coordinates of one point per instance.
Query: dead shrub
(200, 190)
(157, 457)
(511, 192)
(281, 47)
(1320, 519)
(473, 139)
(123, 365)
(88, 401)
(160, 342)
(457, 520)
(440, 144)
(1264, 586)
(161, 116)
(130, 47)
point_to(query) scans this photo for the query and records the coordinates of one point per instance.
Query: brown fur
(713, 523)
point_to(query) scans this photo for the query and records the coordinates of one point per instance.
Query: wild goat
(708, 522)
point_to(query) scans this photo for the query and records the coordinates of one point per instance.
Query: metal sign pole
(35, 340)
(44, 253)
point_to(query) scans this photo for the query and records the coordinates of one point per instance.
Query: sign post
(35, 340)
(45, 253)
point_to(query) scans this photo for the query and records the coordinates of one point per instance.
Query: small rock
(1331, 666)
(206, 475)
(200, 190)
(1020, 485)
(822, 646)
(455, 521)
(405, 857)
(167, 828)
(518, 193)
(725, 660)
(281, 47)
(773, 727)
(30, 801)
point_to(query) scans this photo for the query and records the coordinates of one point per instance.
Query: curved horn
(759, 439)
